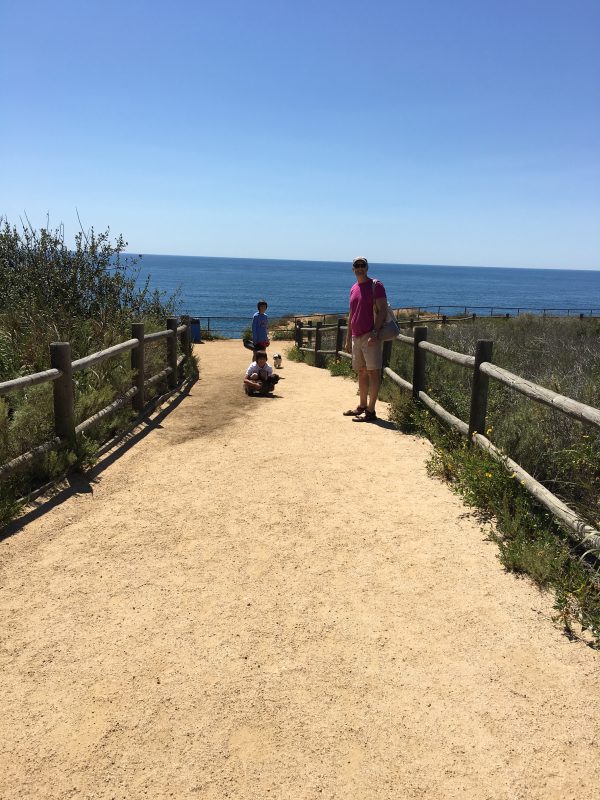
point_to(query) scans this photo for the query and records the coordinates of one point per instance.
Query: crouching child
(259, 377)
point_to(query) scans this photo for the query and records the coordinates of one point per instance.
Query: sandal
(370, 416)
(355, 412)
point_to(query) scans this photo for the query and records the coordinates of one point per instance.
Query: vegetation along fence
(61, 376)
(328, 340)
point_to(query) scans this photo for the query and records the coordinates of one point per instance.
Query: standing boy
(368, 310)
(260, 327)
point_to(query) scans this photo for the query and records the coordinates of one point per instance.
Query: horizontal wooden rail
(151, 337)
(567, 405)
(449, 355)
(159, 376)
(313, 329)
(23, 460)
(441, 412)
(583, 532)
(26, 381)
(115, 406)
(64, 388)
(344, 354)
(102, 355)
(482, 366)
(397, 379)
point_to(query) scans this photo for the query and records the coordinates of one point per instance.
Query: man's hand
(372, 340)
(348, 346)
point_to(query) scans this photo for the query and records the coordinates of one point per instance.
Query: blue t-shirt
(260, 328)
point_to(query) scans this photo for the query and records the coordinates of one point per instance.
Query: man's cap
(360, 258)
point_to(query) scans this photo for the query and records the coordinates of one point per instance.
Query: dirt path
(214, 620)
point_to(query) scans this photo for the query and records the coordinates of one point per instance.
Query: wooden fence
(445, 313)
(61, 376)
(475, 428)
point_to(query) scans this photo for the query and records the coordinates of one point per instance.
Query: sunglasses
(359, 266)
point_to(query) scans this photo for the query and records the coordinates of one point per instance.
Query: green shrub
(88, 296)
(341, 367)
(295, 354)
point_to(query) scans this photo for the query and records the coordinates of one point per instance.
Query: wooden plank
(122, 401)
(405, 339)
(102, 355)
(158, 377)
(23, 460)
(449, 355)
(397, 379)
(573, 408)
(26, 381)
(150, 337)
(583, 532)
(441, 412)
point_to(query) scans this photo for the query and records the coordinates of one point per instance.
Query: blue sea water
(230, 287)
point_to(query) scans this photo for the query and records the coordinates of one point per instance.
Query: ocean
(230, 287)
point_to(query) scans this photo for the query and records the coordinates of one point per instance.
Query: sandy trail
(215, 620)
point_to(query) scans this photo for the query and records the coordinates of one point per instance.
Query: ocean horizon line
(371, 262)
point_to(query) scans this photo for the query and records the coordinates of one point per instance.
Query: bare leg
(374, 382)
(363, 386)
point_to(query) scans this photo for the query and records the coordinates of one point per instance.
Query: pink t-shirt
(361, 305)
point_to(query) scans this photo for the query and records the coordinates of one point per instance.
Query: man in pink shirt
(368, 310)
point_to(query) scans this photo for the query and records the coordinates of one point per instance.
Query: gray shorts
(365, 356)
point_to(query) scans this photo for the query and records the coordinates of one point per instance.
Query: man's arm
(381, 304)
(348, 347)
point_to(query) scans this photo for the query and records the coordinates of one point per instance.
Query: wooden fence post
(387, 354)
(339, 338)
(186, 342)
(188, 335)
(479, 392)
(172, 352)
(137, 365)
(318, 340)
(309, 337)
(298, 333)
(419, 361)
(64, 414)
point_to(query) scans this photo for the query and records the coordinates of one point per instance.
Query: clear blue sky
(438, 131)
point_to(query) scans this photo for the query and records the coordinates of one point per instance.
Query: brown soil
(264, 599)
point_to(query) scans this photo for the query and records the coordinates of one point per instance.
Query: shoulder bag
(389, 330)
